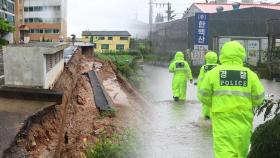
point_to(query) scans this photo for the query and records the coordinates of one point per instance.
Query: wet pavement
(176, 130)
(13, 113)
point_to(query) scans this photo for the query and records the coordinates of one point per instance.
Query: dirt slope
(63, 130)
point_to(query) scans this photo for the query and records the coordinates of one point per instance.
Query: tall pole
(168, 11)
(151, 21)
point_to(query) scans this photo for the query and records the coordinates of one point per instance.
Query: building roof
(83, 44)
(106, 33)
(24, 28)
(211, 8)
(41, 44)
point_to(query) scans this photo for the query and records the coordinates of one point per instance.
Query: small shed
(33, 65)
(86, 47)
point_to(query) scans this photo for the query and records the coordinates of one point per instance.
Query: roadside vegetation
(5, 28)
(265, 142)
(121, 145)
(128, 63)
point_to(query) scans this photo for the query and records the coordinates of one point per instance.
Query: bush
(3, 42)
(125, 62)
(109, 113)
(117, 146)
(265, 141)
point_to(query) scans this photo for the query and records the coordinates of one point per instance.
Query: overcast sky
(114, 14)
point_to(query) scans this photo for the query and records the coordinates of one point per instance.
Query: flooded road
(176, 130)
(13, 113)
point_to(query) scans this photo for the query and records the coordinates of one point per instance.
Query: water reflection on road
(176, 130)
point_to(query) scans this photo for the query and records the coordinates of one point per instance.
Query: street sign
(201, 38)
(201, 28)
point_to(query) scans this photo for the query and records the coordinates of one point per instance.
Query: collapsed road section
(62, 130)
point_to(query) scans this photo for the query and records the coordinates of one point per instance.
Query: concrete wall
(179, 34)
(53, 74)
(23, 66)
(26, 66)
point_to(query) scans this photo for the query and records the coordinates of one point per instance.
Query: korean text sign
(201, 28)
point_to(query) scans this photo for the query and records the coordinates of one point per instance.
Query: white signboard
(253, 52)
(263, 52)
(199, 54)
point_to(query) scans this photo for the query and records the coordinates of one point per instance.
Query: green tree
(5, 28)
(265, 142)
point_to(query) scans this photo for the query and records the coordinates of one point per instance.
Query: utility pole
(170, 15)
(151, 22)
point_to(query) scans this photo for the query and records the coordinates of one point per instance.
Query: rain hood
(233, 53)
(179, 56)
(211, 58)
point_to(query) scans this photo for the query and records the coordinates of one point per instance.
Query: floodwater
(13, 113)
(176, 130)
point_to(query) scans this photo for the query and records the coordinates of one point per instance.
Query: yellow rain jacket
(211, 59)
(182, 72)
(231, 91)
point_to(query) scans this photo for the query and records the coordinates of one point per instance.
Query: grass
(108, 113)
(127, 64)
(124, 62)
(116, 146)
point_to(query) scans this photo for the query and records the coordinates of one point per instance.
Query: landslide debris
(67, 130)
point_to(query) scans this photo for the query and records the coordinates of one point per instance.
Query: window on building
(49, 62)
(120, 47)
(49, 31)
(57, 8)
(31, 20)
(44, 8)
(101, 38)
(110, 38)
(105, 46)
(41, 31)
(10, 7)
(86, 37)
(124, 38)
(31, 9)
(31, 31)
(36, 9)
(36, 20)
(56, 31)
(26, 9)
(40, 8)
(36, 31)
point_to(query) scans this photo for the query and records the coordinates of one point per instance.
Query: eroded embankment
(64, 130)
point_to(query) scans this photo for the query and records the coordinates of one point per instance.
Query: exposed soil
(65, 130)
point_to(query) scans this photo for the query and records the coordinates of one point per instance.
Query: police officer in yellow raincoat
(182, 72)
(211, 59)
(231, 91)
